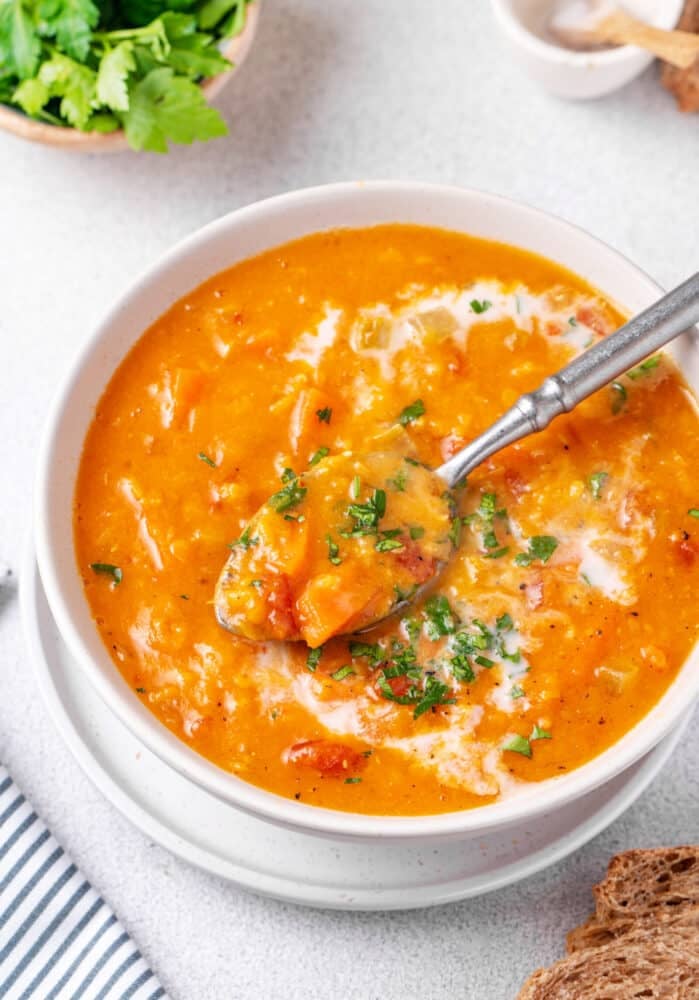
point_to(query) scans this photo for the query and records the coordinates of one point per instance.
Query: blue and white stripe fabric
(58, 939)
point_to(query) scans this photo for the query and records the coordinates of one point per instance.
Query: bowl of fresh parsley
(100, 75)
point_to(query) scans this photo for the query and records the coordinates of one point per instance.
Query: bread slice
(684, 83)
(619, 971)
(593, 934)
(646, 882)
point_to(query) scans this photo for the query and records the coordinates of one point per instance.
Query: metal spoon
(590, 371)
(599, 365)
(596, 367)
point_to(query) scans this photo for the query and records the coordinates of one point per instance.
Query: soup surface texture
(568, 606)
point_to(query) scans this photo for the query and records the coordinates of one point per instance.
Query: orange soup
(569, 603)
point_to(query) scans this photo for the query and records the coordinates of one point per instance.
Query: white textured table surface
(339, 90)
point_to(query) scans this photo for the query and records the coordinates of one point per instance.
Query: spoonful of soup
(357, 537)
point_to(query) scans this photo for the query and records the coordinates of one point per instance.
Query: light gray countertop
(332, 90)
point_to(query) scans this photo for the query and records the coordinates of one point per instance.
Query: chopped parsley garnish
(519, 744)
(256, 583)
(290, 495)
(480, 306)
(184, 597)
(619, 397)
(388, 544)
(541, 547)
(462, 669)
(516, 692)
(497, 553)
(487, 506)
(366, 515)
(455, 532)
(434, 693)
(333, 551)
(490, 539)
(412, 461)
(644, 368)
(356, 487)
(484, 661)
(203, 457)
(417, 531)
(693, 511)
(572, 321)
(504, 623)
(440, 618)
(108, 569)
(342, 672)
(597, 481)
(412, 628)
(324, 415)
(538, 733)
(411, 412)
(318, 455)
(399, 481)
(141, 690)
(352, 781)
(371, 650)
(313, 658)
(245, 541)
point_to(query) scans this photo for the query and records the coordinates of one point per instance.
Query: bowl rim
(15, 122)
(560, 55)
(542, 796)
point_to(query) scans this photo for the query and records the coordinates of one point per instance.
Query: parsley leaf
(290, 495)
(596, 481)
(366, 516)
(333, 551)
(372, 651)
(434, 693)
(541, 547)
(313, 658)
(245, 541)
(352, 781)
(480, 306)
(619, 397)
(519, 744)
(318, 455)
(324, 415)
(538, 733)
(203, 457)
(412, 412)
(163, 106)
(441, 619)
(70, 22)
(342, 672)
(113, 74)
(108, 569)
(645, 368)
(693, 511)
(20, 47)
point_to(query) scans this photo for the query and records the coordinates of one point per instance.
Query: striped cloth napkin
(59, 940)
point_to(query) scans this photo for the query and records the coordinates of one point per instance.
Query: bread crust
(684, 83)
(642, 940)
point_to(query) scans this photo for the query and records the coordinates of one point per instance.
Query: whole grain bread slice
(684, 83)
(641, 883)
(677, 931)
(651, 970)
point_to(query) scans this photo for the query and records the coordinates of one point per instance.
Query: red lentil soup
(569, 604)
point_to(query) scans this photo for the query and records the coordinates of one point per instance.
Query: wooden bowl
(12, 120)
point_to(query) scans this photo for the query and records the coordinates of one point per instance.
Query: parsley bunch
(101, 65)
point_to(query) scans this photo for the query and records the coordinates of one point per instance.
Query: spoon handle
(630, 344)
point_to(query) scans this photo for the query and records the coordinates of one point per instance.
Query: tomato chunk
(336, 760)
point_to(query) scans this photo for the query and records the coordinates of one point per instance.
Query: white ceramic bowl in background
(576, 75)
(217, 246)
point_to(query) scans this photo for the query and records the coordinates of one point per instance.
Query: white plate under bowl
(300, 868)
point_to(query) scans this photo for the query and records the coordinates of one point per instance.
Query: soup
(567, 607)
